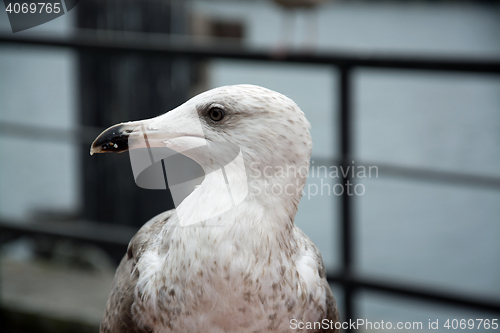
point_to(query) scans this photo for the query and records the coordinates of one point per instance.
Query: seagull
(254, 271)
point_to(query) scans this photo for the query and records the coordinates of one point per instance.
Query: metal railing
(345, 63)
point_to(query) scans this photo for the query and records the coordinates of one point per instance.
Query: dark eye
(216, 114)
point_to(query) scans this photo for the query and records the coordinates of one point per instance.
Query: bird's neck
(262, 193)
(244, 237)
(259, 223)
(278, 187)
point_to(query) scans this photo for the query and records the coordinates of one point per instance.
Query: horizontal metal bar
(427, 294)
(81, 134)
(88, 232)
(416, 173)
(153, 45)
(440, 176)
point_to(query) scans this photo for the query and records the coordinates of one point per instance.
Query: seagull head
(269, 130)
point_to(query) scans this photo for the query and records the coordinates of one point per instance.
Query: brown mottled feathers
(118, 317)
(332, 313)
(118, 314)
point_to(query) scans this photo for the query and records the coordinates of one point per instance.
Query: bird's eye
(216, 114)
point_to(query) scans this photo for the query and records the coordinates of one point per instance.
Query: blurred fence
(345, 63)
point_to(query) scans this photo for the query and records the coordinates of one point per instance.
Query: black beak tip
(112, 140)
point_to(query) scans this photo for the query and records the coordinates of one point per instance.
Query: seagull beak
(118, 138)
(112, 140)
(174, 130)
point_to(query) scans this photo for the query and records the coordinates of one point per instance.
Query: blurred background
(429, 220)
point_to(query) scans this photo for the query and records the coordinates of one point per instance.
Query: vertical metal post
(345, 131)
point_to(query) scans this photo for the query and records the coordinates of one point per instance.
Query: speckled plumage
(255, 270)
